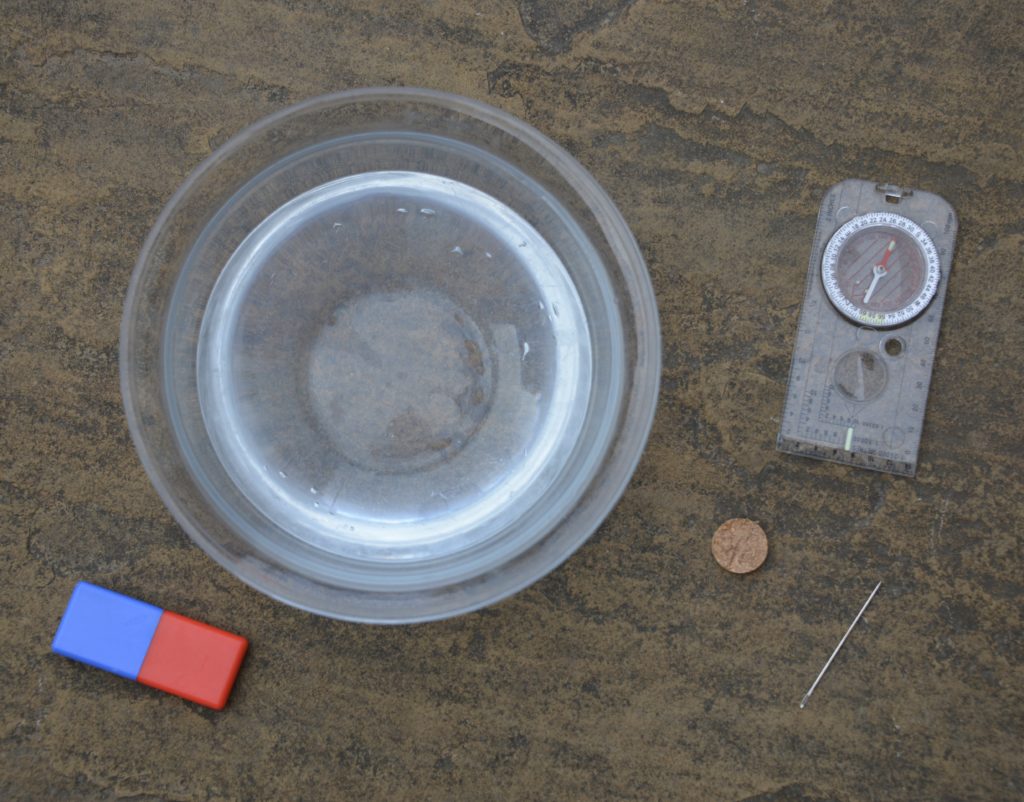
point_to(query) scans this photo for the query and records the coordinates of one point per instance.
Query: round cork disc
(740, 546)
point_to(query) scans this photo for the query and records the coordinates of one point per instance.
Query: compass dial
(880, 269)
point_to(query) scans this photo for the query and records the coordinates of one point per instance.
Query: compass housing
(881, 270)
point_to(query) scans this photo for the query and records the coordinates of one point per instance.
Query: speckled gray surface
(639, 670)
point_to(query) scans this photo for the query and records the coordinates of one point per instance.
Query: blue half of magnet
(106, 630)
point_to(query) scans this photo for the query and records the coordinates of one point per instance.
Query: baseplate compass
(869, 326)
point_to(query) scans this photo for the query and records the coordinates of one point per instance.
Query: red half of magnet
(193, 660)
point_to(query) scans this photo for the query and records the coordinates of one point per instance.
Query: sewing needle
(803, 702)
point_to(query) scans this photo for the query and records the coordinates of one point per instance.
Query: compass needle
(880, 271)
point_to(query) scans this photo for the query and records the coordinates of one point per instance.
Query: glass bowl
(390, 355)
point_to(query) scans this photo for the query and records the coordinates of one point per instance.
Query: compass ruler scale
(869, 326)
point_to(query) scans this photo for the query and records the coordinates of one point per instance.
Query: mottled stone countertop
(640, 669)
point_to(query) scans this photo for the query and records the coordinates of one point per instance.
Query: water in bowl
(394, 365)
